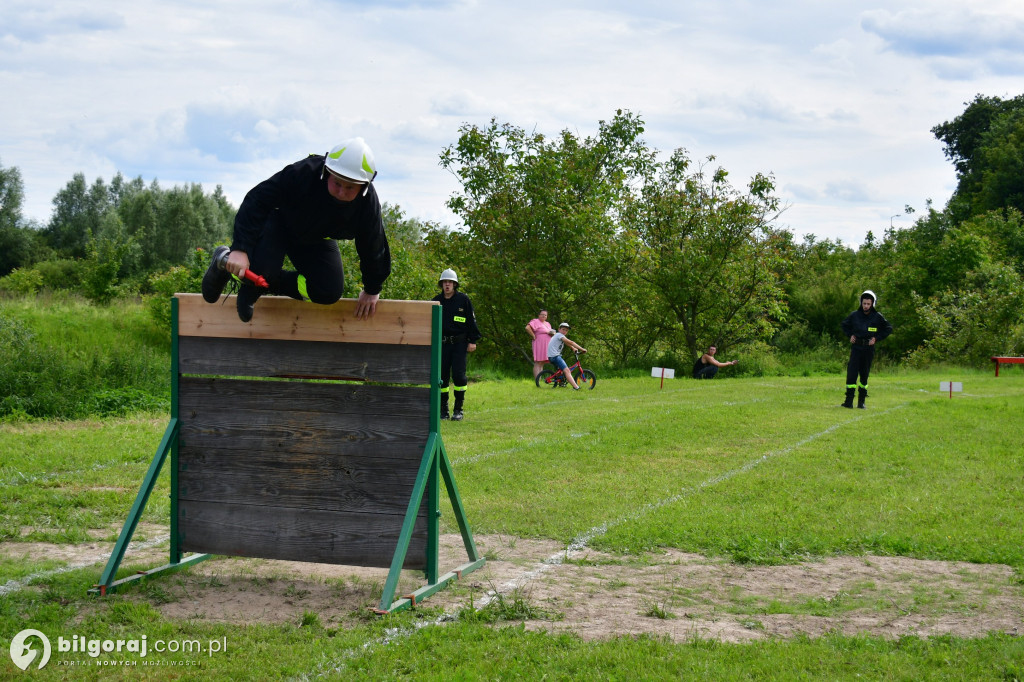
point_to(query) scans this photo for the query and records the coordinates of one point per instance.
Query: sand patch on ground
(668, 594)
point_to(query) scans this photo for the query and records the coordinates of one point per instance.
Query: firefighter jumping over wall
(459, 337)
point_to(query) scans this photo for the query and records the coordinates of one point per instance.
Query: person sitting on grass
(706, 366)
(555, 353)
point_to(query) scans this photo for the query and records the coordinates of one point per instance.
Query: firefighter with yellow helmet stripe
(459, 336)
(300, 212)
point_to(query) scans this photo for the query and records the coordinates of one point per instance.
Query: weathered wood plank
(302, 417)
(226, 396)
(273, 357)
(297, 534)
(324, 482)
(279, 317)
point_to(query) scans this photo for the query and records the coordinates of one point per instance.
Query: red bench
(1006, 361)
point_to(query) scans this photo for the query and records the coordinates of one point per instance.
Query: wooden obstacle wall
(301, 431)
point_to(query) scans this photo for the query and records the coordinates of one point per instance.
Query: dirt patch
(672, 594)
(148, 544)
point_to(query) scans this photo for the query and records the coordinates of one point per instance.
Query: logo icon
(22, 654)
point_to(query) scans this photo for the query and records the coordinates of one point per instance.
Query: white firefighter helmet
(352, 160)
(449, 275)
(871, 294)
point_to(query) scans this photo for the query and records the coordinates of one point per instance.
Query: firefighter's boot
(849, 399)
(457, 411)
(444, 406)
(246, 299)
(216, 277)
(862, 395)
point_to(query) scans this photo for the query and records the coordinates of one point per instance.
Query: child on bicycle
(555, 353)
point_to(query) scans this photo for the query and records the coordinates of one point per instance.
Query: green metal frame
(168, 444)
(434, 466)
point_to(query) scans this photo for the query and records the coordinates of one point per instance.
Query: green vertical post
(433, 483)
(175, 556)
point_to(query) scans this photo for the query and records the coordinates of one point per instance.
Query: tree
(413, 274)
(16, 241)
(12, 194)
(541, 221)
(712, 253)
(77, 212)
(986, 145)
(974, 321)
(823, 287)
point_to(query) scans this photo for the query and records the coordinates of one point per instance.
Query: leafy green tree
(413, 273)
(986, 145)
(185, 219)
(12, 194)
(17, 242)
(822, 287)
(105, 259)
(541, 219)
(77, 211)
(972, 322)
(712, 253)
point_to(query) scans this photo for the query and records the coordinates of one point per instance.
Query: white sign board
(663, 372)
(957, 387)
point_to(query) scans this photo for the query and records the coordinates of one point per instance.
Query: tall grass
(63, 358)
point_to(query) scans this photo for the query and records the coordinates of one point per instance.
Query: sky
(835, 99)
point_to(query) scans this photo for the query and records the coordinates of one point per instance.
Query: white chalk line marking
(14, 585)
(577, 546)
(21, 479)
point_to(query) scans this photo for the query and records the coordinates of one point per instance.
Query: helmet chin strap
(367, 189)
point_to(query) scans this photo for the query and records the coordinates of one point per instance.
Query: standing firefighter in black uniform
(299, 212)
(865, 327)
(459, 336)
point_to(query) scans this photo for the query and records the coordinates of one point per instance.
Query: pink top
(541, 337)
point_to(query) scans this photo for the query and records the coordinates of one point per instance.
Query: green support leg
(148, 483)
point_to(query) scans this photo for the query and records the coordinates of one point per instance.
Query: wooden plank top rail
(282, 318)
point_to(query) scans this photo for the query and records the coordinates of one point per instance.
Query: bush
(179, 279)
(755, 359)
(101, 269)
(21, 281)
(62, 274)
(120, 402)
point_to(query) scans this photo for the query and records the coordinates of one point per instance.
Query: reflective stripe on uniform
(302, 288)
(460, 388)
(851, 385)
(444, 389)
(459, 319)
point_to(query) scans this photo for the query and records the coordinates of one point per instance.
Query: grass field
(581, 499)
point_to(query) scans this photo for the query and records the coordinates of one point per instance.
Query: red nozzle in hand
(257, 280)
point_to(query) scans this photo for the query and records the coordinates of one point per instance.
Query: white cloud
(835, 101)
